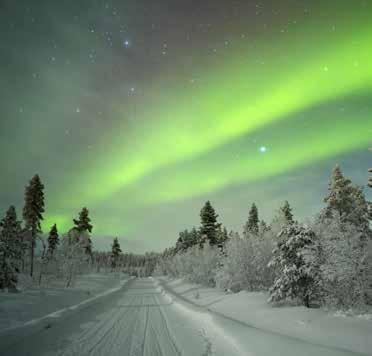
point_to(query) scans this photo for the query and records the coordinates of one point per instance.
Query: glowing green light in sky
(252, 90)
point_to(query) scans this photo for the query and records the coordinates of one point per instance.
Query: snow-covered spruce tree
(115, 253)
(345, 238)
(296, 273)
(83, 226)
(286, 211)
(209, 225)
(263, 227)
(282, 219)
(345, 263)
(53, 241)
(251, 226)
(33, 213)
(186, 240)
(347, 200)
(222, 237)
(10, 249)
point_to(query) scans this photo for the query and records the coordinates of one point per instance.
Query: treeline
(59, 259)
(132, 264)
(325, 262)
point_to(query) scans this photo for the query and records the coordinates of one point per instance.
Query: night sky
(142, 110)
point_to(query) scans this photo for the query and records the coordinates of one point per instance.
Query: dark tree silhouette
(33, 213)
(209, 225)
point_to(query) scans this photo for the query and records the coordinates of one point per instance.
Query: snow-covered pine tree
(115, 253)
(348, 202)
(194, 237)
(286, 211)
(83, 225)
(209, 225)
(282, 219)
(251, 226)
(344, 261)
(53, 240)
(296, 274)
(184, 241)
(339, 198)
(222, 236)
(33, 213)
(370, 178)
(83, 222)
(263, 227)
(10, 249)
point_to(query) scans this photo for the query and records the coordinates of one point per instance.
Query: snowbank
(32, 305)
(353, 333)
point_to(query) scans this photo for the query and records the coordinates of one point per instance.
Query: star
(263, 149)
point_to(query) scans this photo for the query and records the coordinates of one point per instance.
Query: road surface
(140, 320)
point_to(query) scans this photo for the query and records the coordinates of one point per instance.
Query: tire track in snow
(145, 331)
(164, 323)
(94, 332)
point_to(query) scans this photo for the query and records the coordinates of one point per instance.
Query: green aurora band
(248, 91)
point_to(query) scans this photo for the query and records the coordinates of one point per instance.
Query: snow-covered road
(141, 319)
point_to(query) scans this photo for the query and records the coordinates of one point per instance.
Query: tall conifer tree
(209, 225)
(33, 213)
(10, 249)
(286, 211)
(346, 200)
(53, 240)
(251, 226)
(115, 252)
(82, 224)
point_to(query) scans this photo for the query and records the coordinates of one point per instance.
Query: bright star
(263, 149)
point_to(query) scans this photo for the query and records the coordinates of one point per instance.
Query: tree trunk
(40, 275)
(32, 254)
(307, 300)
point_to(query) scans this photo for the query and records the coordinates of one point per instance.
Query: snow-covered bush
(245, 265)
(197, 265)
(72, 255)
(295, 266)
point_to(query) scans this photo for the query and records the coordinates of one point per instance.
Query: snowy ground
(145, 317)
(316, 326)
(32, 303)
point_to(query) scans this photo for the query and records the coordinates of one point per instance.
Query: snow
(315, 326)
(33, 305)
(162, 317)
(145, 321)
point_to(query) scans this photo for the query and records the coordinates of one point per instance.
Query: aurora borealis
(143, 110)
